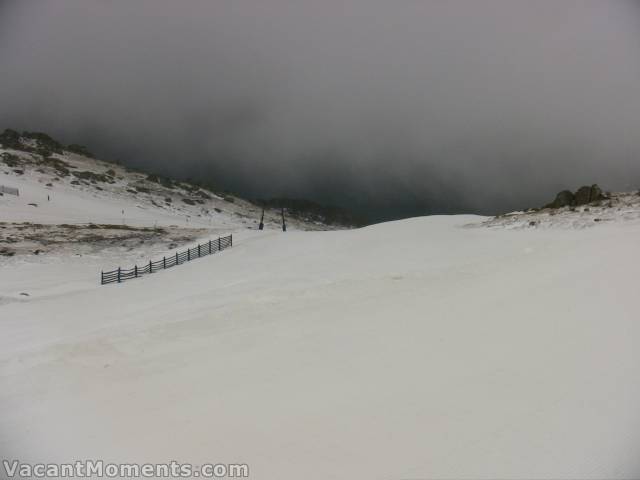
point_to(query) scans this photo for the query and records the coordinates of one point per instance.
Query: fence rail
(121, 274)
(9, 190)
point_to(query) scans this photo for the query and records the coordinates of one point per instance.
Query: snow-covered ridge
(72, 203)
(617, 207)
(67, 181)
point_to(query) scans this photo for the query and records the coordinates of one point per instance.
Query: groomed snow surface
(408, 350)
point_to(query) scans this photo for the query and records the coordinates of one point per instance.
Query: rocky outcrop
(583, 196)
(586, 195)
(563, 199)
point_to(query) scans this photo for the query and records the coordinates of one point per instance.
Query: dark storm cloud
(398, 107)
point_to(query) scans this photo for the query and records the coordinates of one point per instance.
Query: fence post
(150, 267)
(177, 259)
(119, 275)
(231, 240)
(209, 246)
(198, 250)
(101, 277)
(135, 270)
(219, 245)
(164, 262)
(188, 254)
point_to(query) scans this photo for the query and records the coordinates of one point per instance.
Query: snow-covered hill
(617, 207)
(90, 215)
(70, 188)
(413, 349)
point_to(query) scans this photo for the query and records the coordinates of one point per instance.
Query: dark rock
(587, 194)
(10, 139)
(596, 193)
(563, 199)
(584, 195)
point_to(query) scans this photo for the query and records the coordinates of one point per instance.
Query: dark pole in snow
(284, 224)
(261, 226)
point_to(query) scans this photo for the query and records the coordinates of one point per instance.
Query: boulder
(587, 194)
(584, 195)
(596, 193)
(563, 199)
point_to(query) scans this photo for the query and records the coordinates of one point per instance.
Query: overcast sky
(390, 107)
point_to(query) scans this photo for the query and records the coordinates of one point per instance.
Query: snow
(434, 347)
(60, 201)
(618, 207)
(412, 349)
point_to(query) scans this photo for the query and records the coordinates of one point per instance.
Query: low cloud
(390, 108)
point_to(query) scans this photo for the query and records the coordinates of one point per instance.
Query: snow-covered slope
(71, 188)
(411, 349)
(76, 215)
(617, 207)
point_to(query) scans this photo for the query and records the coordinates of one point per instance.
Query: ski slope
(49, 196)
(407, 350)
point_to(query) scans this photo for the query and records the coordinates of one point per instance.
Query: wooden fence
(212, 246)
(9, 190)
